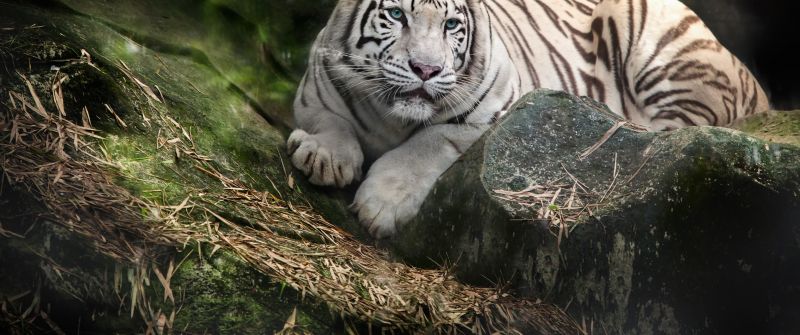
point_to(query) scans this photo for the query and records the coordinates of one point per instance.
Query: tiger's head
(410, 55)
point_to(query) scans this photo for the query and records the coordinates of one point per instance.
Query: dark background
(765, 34)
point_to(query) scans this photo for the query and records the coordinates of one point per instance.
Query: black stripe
(661, 95)
(671, 35)
(520, 42)
(644, 20)
(602, 47)
(458, 150)
(672, 115)
(588, 56)
(303, 101)
(320, 95)
(354, 112)
(343, 40)
(386, 48)
(470, 41)
(552, 16)
(694, 107)
(461, 118)
(592, 84)
(364, 21)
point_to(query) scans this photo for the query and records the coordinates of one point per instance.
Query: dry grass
(59, 162)
(563, 203)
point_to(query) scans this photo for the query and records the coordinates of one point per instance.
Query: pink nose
(424, 71)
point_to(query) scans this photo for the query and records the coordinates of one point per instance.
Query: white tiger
(411, 84)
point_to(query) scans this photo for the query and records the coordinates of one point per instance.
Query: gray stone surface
(690, 231)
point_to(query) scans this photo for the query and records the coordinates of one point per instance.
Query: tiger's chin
(415, 105)
(413, 109)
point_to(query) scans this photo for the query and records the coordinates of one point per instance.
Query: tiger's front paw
(328, 159)
(386, 200)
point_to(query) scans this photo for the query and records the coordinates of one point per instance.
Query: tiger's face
(411, 54)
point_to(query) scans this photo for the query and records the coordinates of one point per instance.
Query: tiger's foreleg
(399, 181)
(328, 157)
(324, 146)
(329, 154)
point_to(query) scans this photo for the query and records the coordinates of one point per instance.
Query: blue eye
(451, 24)
(396, 13)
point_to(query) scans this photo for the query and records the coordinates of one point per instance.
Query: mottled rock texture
(690, 231)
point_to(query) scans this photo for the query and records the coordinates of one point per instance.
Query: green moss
(219, 303)
(773, 126)
(253, 44)
(217, 110)
(362, 291)
(136, 165)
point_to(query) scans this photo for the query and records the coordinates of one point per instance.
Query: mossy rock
(58, 273)
(773, 126)
(125, 87)
(255, 45)
(690, 231)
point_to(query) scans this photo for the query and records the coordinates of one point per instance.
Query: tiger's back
(652, 61)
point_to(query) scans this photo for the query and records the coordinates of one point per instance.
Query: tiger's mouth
(417, 105)
(419, 93)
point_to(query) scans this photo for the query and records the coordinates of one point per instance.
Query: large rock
(691, 231)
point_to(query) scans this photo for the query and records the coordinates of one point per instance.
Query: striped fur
(412, 83)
